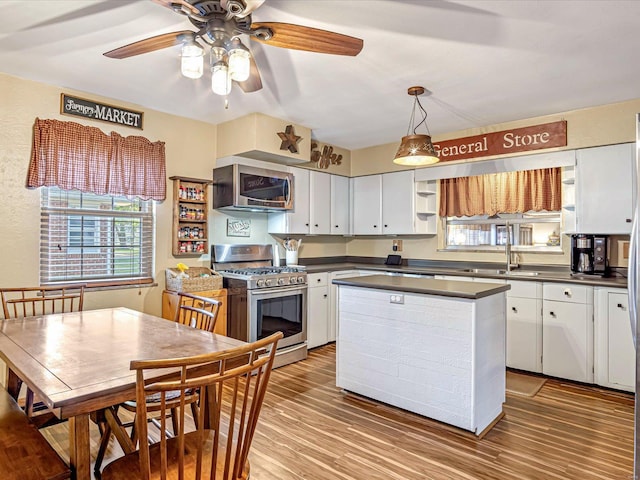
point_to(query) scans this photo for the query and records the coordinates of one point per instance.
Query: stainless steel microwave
(241, 187)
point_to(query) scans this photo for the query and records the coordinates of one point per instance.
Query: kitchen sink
(491, 271)
(486, 271)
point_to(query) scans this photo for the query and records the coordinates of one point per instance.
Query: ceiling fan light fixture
(239, 61)
(192, 60)
(220, 79)
(416, 149)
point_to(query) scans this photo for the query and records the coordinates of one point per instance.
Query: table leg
(79, 455)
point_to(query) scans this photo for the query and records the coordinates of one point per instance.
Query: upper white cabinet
(312, 205)
(398, 209)
(340, 206)
(384, 204)
(367, 205)
(605, 189)
(319, 198)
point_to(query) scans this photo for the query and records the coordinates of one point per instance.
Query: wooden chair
(194, 311)
(233, 384)
(35, 301)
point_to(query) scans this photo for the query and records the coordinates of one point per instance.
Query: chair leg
(174, 421)
(102, 448)
(195, 413)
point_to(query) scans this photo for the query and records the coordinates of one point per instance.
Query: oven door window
(280, 314)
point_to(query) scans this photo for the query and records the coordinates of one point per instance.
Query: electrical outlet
(397, 299)
(397, 245)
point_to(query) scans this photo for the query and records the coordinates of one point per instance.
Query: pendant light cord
(413, 116)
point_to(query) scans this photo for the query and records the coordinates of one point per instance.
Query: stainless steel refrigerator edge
(633, 304)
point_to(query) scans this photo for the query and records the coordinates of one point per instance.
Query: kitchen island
(433, 347)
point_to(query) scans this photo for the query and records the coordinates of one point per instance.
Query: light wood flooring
(310, 430)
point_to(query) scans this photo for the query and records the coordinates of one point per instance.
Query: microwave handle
(288, 183)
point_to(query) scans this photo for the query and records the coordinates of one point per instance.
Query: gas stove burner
(263, 271)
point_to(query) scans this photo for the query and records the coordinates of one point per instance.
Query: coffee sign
(524, 139)
(81, 107)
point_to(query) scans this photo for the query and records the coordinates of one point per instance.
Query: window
(95, 238)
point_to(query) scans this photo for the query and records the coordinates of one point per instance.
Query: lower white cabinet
(615, 356)
(567, 331)
(524, 326)
(333, 298)
(317, 309)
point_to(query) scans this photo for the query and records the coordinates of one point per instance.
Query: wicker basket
(195, 283)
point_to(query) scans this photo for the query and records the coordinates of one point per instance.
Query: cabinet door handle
(306, 224)
(515, 310)
(385, 226)
(325, 295)
(620, 306)
(628, 220)
(319, 280)
(375, 226)
(552, 314)
(337, 226)
(316, 225)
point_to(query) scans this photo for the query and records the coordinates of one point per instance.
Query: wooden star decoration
(289, 139)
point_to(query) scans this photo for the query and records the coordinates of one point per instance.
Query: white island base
(439, 356)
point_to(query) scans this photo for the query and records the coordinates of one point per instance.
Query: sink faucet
(512, 259)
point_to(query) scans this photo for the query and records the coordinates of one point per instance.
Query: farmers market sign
(536, 137)
(81, 107)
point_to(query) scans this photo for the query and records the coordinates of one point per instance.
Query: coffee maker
(590, 254)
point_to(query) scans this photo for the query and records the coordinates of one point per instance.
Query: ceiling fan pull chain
(226, 103)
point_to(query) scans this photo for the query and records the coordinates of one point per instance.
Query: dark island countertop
(425, 286)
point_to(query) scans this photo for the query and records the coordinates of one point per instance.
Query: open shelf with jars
(190, 216)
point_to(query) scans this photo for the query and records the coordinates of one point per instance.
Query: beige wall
(604, 125)
(190, 151)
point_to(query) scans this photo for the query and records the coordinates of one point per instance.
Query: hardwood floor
(310, 430)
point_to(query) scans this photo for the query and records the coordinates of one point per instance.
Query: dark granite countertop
(530, 273)
(425, 286)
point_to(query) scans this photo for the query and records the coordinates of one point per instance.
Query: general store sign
(536, 137)
(81, 107)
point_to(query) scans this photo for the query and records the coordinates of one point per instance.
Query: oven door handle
(266, 291)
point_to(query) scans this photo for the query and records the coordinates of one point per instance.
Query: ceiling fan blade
(150, 44)
(254, 82)
(297, 37)
(170, 3)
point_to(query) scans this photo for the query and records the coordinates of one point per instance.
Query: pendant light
(416, 149)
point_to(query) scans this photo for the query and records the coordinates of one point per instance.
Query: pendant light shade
(416, 149)
(220, 80)
(239, 61)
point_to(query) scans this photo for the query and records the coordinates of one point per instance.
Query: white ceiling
(485, 61)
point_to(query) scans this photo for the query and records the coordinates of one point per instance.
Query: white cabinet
(367, 205)
(319, 203)
(567, 328)
(569, 199)
(384, 204)
(605, 189)
(615, 356)
(312, 205)
(340, 206)
(333, 298)
(524, 326)
(317, 309)
(398, 209)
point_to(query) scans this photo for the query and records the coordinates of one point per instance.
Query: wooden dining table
(78, 363)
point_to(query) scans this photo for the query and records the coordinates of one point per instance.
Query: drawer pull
(319, 280)
(567, 292)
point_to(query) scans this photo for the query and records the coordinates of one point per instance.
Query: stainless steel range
(263, 299)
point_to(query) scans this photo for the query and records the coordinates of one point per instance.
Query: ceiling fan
(220, 24)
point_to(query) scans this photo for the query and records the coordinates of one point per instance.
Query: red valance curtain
(509, 192)
(77, 157)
